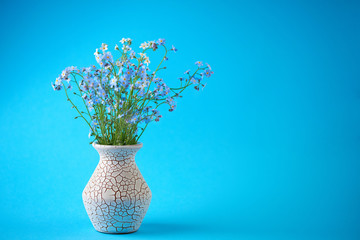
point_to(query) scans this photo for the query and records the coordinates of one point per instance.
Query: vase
(116, 198)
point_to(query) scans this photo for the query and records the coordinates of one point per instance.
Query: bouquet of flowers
(122, 96)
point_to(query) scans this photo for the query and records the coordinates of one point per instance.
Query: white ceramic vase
(116, 197)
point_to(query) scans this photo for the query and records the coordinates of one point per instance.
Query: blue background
(269, 150)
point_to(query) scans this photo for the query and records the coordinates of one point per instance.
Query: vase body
(116, 197)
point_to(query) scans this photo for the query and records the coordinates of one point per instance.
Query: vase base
(106, 232)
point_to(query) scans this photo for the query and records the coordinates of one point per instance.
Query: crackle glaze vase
(116, 197)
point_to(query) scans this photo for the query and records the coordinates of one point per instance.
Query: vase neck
(117, 153)
(127, 155)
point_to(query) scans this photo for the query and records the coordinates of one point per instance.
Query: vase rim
(100, 146)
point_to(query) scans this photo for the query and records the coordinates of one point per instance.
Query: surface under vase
(116, 197)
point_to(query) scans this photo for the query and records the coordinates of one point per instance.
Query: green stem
(76, 107)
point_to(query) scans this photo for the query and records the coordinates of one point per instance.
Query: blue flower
(87, 70)
(93, 68)
(144, 45)
(187, 72)
(128, 73)
(157, 80)
(102, 93)
(58, 81)
(94, 123)
(98, 57)
(198, 63)
(123, 40)
(208, 66)
(96, 99)
(70, 69)
(65, 73)
(104, 47)
(133, 119)
(84, 87)
(208, 72)
(161, 41)
(171, 103)
(142, 72)
(147, 120)
(108, 57)
(89, 104)
(113, 82)
(161, 90)
(124, 82)
(132, 54)
(173, 48)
